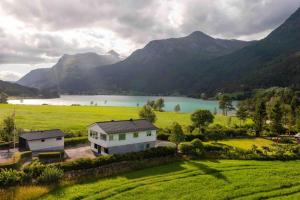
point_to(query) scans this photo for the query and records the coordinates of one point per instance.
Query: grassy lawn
(247, 143)
(76, 118)
(224, 179)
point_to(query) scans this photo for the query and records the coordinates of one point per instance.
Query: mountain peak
(198, 34)
(113, 53)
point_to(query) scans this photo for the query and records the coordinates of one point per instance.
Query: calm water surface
(186, 104)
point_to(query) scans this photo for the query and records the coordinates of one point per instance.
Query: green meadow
(211, 179)
(76, 118)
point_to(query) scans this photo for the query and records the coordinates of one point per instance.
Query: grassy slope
(223, 179)
(76, 118)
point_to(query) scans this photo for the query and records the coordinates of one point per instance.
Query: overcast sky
(35, 33)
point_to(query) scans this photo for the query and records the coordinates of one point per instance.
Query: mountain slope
(68, 67)
(147, 70)
(12, 89)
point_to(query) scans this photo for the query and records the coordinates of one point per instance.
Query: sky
(35, 33)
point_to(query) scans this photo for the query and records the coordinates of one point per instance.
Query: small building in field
(47, 140)
(297, 137)
(117, 137)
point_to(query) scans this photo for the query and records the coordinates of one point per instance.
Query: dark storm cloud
(134, 20)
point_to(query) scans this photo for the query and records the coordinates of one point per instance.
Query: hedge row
(75, 141)
(5, 145)
(87, 163)
(51, 155)
(16, 160)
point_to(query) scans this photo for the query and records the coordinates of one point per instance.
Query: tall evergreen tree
(259, 117)
(242, 112)
(294, 105)
(276, 118)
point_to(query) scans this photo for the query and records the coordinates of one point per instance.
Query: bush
(51, 175)
(186, 148)
(198, 148)
(75, 141)
(194, 148)
(11, 177)
(51, 155)
(34, 169)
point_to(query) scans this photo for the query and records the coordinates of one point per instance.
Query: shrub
(75, 141)
(34, 169)
(185, 148)
(198, 147)
(51, 175)
(10, 177)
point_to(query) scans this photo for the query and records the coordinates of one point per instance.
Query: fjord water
(186, 104)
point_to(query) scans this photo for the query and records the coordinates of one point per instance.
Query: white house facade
(117, 137)
(48, 140)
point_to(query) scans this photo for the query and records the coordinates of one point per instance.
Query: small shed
(45, 140)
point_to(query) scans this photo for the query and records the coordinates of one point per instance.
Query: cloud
(9, 76)
(41, 31)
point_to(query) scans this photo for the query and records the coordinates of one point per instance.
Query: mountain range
(191, 65)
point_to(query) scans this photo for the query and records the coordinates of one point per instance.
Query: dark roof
(125, 126)
(38, 135)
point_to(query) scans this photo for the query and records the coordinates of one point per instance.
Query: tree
(177, 108)
(147, 113)
(259, 117)
(159, 104)
(3, 97)
(151, 103)
(242, 112)
(294, 105)
(202, 118)
(276, 118)
(177, 134)
(8, 129)
(225, 104)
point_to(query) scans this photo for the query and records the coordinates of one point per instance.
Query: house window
(59, 138)
(148, 133)
(147, 146)
(42, 140)
(93, 134)
(111, 137)
(122, 136)
(103, 136)
(136, 134)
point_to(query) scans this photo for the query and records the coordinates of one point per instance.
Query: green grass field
(225, 179)
(247, 143)
(76, 118)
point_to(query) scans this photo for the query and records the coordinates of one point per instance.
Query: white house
(47, 140)
(116, 137)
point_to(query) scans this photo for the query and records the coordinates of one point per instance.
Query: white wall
(50, 143)
(116, 142)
